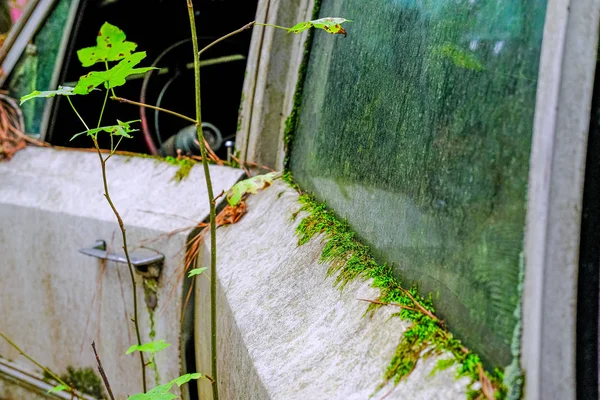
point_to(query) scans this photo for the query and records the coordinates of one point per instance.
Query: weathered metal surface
(562, 118)
(285, 331)
(54, 301)
(272, 74)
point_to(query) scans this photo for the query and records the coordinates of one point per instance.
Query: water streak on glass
(417, 128)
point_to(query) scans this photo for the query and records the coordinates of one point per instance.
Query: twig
(252, 164)
(388, 393)
(421, 308)
(47, 370)
(211, 154)
(101, 370)
(486, 385)
(389, 304)
(273, 26)
(243, 28)
(187, 299)
(219, 196)
(135, 103)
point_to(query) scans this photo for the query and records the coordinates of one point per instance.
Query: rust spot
(108, 45)
(121, 55)
(90, 87)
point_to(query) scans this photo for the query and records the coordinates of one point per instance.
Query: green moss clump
(185, 166)
(349, 259)
(85, 381)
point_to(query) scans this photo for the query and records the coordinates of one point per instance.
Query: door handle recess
(148, 264)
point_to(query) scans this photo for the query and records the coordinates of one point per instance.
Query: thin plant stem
(213, 231)
(47, 370)
(87, 128)
(102, 373)
(390, 304)
(102, 111)
(243, 28)
(135, 103)
(273, 26)
(423, 309)
(112, 151)
(125, 249)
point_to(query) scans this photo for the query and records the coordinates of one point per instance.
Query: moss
(349, 259)
(291, 122)
(84, 380)
(185, 166)
(150, 290)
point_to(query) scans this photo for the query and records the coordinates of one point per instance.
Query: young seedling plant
(119, 60)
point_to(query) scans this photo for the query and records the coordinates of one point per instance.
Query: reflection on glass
(417, 129)
(10, 12)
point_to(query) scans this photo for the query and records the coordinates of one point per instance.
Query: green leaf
(62, 90)
(164, 388)
(58, 388)
(161, 392)
(196, 271)
(121, 129)
(153, 396)
(252, 185)
(151, 347)
(186, 378)
(110, 46)
(331, 25)
(116, 76)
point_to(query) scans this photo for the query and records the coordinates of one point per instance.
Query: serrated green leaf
(110, 46)
(58, 388)
(186, 378)
(121, 129)
(329, 24)
(252, 185)
(151, 347)
(116, 76)
(196, 271)
(62, 91)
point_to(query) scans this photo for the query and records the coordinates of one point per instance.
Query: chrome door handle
(148, 265)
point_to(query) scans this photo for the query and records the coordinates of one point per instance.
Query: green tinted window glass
(35, 67)
(417, 128)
